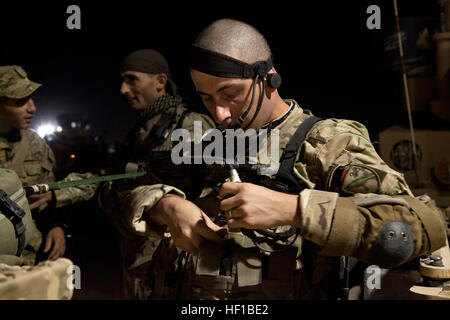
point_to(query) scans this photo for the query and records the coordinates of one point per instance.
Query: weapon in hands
(268, 236)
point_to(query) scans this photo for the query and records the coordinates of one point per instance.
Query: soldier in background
(331, 185)
(23, 151)
(152, 94)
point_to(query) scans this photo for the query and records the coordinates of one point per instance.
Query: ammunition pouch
(238, 269)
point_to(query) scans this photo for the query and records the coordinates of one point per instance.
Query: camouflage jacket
(341, 215)
(38, 159)
(38, 165)
(154, 155)
(151, 151)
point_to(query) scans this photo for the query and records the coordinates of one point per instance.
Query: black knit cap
(149, 61)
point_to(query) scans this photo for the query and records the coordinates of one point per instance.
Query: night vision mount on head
(220, 65)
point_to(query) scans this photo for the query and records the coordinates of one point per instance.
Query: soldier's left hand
(254, 207)
(56, 240)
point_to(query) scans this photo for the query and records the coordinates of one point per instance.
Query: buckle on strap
(14, 213)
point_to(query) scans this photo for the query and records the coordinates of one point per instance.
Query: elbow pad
(394, 245)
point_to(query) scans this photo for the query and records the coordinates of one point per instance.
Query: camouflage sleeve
(139, 200)
(367, 195)
(342, 158)
(72, 195)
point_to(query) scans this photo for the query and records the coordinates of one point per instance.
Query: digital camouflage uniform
(29, 155)
(342, 215)
(38, 167)
(153, 153)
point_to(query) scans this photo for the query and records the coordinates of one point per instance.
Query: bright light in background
(45, 129)
(58, 129)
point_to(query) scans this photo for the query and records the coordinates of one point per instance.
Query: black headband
(223, 66)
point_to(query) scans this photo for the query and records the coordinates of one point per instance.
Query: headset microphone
(274, 81)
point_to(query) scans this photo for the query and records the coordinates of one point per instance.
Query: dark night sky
(330, 62)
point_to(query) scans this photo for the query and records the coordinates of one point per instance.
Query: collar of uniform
(276, 122)
(295, 112)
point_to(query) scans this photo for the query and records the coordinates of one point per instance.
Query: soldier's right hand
(189, 226)
(36, 200)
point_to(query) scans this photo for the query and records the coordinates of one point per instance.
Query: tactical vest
(284, 180)
(16, 223)
(239, 269)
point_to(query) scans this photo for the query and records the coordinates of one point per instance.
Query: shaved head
(235, 39)
(228, 87)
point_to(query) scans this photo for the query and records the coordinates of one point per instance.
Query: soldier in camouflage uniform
(345, 201)
(23, 151)
(151, 93)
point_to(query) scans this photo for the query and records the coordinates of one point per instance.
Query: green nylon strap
(68, 184)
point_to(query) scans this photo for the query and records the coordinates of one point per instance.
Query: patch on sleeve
(358, 178)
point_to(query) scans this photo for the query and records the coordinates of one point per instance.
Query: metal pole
(406, 90)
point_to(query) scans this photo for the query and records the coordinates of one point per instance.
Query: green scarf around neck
(163, 103)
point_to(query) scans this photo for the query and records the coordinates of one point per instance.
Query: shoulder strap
(290, 152)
